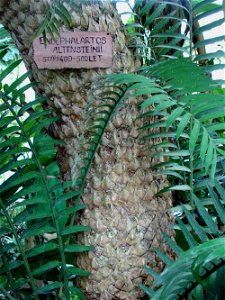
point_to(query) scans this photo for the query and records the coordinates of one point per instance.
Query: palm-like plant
(186, 107)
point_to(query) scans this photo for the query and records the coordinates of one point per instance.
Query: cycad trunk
(122, 210)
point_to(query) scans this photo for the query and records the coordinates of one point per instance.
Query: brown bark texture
(125, 216)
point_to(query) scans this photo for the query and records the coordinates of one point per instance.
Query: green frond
(30, 182)
(74, 229)
(200, 263)
(173, 245)
(179, 187)
(188, 114)
(151, 273)
(206, 216)
(193, 266)
(163, 257)
(190, 111)
(77, 272)
(149, 292)
(160, 24)
(100, 109)
(198, 229)
(49, 288)
(41, 249)
(180, 277)
(217, 202)
(187, 234)
(161, 30)
(58, 14)
(220, 190)
(8, 70)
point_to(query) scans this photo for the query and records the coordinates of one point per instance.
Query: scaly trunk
(122, 210)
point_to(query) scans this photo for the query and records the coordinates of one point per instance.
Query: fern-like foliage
(191, 275)
(33, 202)
(194, 115)
(196, 272)
(58, 15)
(169, 29)
(186, 104)
(102, 105)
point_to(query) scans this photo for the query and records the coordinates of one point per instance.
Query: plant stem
(196, 283)
(191, 176)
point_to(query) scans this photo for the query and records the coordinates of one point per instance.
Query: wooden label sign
(74, 50)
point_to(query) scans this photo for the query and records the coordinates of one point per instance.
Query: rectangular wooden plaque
(74, 50)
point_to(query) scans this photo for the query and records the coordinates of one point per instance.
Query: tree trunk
(125, 216)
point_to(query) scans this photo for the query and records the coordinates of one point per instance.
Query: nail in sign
(74, 50)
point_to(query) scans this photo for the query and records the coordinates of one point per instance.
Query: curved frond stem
(117, 103)
(6, 100)
(195, 283)
(20, 247)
